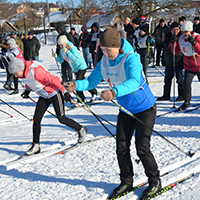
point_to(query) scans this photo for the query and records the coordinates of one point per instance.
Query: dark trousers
(125, 128)
(158, 55)
(58, 104)
(10, 78)
(80, 75)
(169, 74)
(66, 72)
(188, 85)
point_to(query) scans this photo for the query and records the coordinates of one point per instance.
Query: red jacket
(38, 79)
(189, 51)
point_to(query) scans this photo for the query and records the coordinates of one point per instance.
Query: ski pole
(57, 63)
(96, 116)
(190, 154)
(46, 110)
(16, 110)
(174, 75)
(6, 113)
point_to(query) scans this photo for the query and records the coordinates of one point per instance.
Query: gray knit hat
(110, 38)
(187, 26)
(15, 65)
(62, 39)
(11, 41)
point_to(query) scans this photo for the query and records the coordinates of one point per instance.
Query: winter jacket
(93, 38)
(196, 28)
(128, 29)
(84, 39)
(38, 79)
(76, 39)
(34, 46)
(168, 53)
(26, 48)
(188, 52)
(132, 91)
(73, 57)
(160, 33)
(19, 44)
(14, 52)
(62, 28)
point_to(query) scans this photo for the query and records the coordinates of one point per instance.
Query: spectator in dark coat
(169, 70)
(84, 42)
(159, 33)
(34, 47)
(66, 70)
(128, 28)
(196, 26)
(95, 50)
(75, 36)
(26, 43)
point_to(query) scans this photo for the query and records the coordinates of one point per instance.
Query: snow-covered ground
(91, 172)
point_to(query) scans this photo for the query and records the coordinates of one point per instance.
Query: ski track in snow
(91, 172)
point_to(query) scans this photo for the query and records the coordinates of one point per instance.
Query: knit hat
(187, 26)
(62, 39)
(161, 21)
(175, 24)
(15, 65)
(11, 41)
(127, 18)
(145, 28)
(110, 38)
(142, 18)
(136, 21)
(13, 33)
(196, 18)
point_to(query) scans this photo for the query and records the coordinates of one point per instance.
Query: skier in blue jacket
(68, 52)
(122, 69)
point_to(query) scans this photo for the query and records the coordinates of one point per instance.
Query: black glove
(191, 40)
(173, 38)
(68, 97)
(25, 94)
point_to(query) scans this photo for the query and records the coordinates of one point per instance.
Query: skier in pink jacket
(189, 44)
(50, 91)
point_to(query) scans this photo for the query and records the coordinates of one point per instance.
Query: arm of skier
(197, 45)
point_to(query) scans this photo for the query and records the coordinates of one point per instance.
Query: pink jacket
(38, 79)
(189, 51)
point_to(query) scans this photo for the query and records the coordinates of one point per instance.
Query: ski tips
(190, 154)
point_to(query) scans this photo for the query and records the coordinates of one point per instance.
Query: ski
(22, 160)
(193, 107)
(135, 188)
(169, 187)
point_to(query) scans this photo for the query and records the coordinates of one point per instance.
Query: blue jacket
(133, 94)
(74, 58)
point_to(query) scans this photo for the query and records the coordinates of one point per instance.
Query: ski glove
(54, 54)
(107, 95)
(68, 97)
(25, 94)
(191, 40)
(71, 86)
(173, 38)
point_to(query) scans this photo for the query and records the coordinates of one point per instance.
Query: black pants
(80, 75)
(125, 128)
(42, 106)
(169, 74)
(188, 85)
(10, 78)
(158, 55)
(66, 72)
